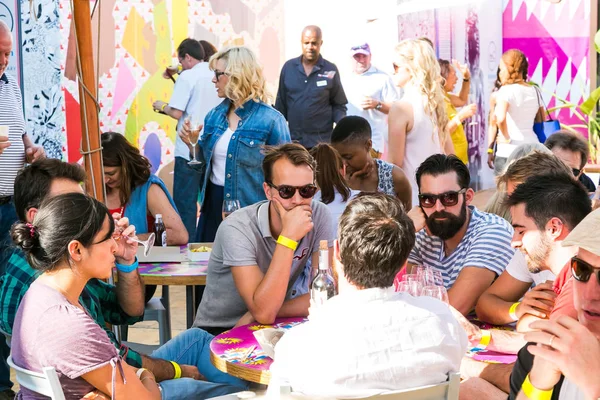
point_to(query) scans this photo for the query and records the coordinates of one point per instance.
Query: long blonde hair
(246, 79)
(419, 58)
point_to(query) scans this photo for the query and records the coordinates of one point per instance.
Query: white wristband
(140, 372)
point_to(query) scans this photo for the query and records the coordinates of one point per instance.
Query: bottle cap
(158, 216)
(323, 245)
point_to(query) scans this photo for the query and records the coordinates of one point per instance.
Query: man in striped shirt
(469, 247)
(15, 149)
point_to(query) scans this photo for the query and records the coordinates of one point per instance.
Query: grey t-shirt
(51, 332)
(244, 239)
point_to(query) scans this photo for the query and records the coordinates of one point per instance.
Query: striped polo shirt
(11, 115)
(486, 244)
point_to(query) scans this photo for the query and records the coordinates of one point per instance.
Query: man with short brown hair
(261, 251)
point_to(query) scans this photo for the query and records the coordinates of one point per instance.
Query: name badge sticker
(321, 83)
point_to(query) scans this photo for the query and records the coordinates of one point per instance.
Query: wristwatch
(379, 106)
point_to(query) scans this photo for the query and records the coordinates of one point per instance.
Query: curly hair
(246, 79)
(517, 66)
(419, 58)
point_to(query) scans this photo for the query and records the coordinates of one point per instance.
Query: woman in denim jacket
(234, 133)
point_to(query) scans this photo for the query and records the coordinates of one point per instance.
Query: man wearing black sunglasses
(468, 246)
(565, 361)
(574, 151)
(256, 271)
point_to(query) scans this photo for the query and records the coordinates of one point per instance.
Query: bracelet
(289, 243)
(127, 268)
(512, 311)
(177, 369)
(534, 393)
(140, 372)
(486, 337)
(490, 151)
(163, 107)
(466, 80)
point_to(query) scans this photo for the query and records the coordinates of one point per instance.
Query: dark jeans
(211, 213)
(8, 217)
(186, 185)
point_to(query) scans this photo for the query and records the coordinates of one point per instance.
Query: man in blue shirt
(310, 94)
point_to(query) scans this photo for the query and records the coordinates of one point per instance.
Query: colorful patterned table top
(489, 356)
(185, 268)
(237, 352)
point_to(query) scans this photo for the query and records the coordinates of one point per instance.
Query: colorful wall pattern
(556, 40)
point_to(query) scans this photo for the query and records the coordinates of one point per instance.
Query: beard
(536, 258)
(448, 228)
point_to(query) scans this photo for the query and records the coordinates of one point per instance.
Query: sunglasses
(576, 172)
(582, 271)
(448, 199)
(287, 191)
(218, 74)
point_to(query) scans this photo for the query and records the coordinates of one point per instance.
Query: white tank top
(421, 141)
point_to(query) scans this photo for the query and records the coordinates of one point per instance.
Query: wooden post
(90, 135)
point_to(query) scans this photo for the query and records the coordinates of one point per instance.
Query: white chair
(442, 391)
(45, 383)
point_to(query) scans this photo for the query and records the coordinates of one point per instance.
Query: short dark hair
(209, 49)
(569, 141)
(294, 152)
(33, 182)
(375, 237)
(351, 128)
(439, 164)
(60, 219)
(552, 196)
(191, 47)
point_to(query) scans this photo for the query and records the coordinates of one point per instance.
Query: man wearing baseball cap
(563, 356)
(370, 93)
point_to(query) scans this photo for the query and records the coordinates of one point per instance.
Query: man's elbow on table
(265, 317)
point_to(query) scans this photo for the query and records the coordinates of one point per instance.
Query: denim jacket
(260, 125)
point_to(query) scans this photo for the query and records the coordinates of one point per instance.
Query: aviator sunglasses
(448, 199)
(287, 191)
(582, 271)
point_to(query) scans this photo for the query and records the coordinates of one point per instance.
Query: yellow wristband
(534, 393)
(289, 243)
(177, 369)
(490, 151)
(486, 337)
(513, 311)
(163, 107)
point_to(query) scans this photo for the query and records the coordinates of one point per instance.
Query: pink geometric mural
(555, 39)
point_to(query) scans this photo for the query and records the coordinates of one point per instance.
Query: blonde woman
(517, 106)
(234, 133)
(417, 123)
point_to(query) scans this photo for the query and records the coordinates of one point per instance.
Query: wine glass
(195, 126)
(148, 243)
(230, 206)
(437, 292)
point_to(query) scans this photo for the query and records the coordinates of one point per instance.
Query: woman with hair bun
(417, 123)
(72, 240)
(517, 106)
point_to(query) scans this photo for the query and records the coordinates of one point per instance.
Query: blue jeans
(8, 216)
(192, 347)
(186, 185)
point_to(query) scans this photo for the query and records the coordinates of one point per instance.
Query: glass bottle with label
(160, 232)
(322, 287)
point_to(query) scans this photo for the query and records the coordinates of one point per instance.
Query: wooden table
(191, 274)
(229, 351)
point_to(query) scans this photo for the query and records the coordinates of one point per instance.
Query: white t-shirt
(378, 85)
(337, 206)
(517, 268)
(219, 158)
(194, 93)
(365, 342)
(523, 105)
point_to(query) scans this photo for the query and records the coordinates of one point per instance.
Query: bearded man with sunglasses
(258, 260)
(563, 357)
(469, 247)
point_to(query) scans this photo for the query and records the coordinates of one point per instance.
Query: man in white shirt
(370, 339)
(370, 93)
(193, 97)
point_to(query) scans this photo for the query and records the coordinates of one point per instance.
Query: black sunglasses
(576, 172)
(448, 199)
(218, 74)
(582, 271)
(287, 191)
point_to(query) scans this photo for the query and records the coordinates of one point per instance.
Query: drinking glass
(230, 206)
(437, 292)
(403, 287)
(196, 127)
(148, 243)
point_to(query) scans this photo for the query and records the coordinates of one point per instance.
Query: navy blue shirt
(311, 104)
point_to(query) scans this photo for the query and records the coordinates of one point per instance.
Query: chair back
(45, 383)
